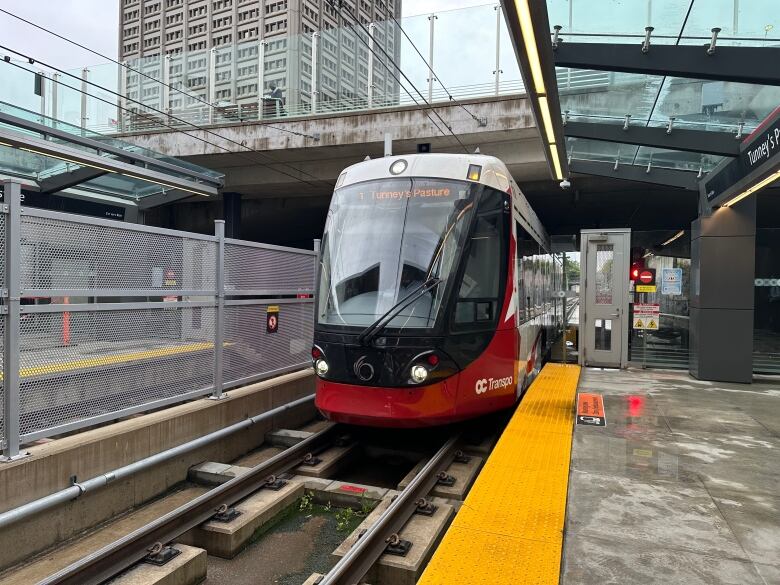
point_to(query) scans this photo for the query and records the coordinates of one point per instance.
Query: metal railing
(102, 319)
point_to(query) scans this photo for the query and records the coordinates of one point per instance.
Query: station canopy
(655, 91)
(53, 157)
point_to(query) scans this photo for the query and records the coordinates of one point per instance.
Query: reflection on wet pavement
(681, 486)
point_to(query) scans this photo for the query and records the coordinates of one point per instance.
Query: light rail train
(434, 301)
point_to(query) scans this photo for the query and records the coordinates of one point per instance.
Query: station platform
(679, 487)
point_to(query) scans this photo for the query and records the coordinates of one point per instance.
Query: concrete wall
(98, 451)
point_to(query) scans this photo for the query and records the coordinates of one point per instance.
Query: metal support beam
(166, 85)
(219, 334)
(719, 143)
(149, 201)
(740, 64)
(315, 71)
(260, 77)
(84, 89)
(67, 179)
(432, 19)
(12, 195)
(657, 176)
(497, 72)
(212, 83)
(370, 88)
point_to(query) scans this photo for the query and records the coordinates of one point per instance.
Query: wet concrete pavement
(680, 487)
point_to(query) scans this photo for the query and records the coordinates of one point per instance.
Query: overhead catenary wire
(433, 73)
(33, 61)
(138, 71)
(339, 5)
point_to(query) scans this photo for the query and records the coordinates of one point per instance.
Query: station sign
(759, 156)
(647, 316)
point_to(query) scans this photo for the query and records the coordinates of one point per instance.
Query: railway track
(123, 553)
(152, 538)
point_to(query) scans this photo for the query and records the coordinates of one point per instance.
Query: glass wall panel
(666, 347)
(466, 73)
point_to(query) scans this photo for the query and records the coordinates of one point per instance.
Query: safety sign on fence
(647, 316)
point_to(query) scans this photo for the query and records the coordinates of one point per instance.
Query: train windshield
(383, 240)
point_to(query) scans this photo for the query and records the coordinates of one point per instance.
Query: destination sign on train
(406, 193)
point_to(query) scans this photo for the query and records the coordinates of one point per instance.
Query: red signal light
(316, 353)
(634, 273)
(433, 359)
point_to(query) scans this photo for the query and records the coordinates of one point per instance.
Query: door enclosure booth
(604, 315)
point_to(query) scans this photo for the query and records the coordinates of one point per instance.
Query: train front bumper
(423, 406)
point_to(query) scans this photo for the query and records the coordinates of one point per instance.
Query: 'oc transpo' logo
(484, 385)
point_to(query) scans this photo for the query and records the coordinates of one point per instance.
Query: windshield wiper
(373, 330)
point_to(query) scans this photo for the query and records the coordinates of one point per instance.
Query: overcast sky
(94, 23)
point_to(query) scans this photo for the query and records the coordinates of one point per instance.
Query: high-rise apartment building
(234, 51)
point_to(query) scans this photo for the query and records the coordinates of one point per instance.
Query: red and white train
(435, 299)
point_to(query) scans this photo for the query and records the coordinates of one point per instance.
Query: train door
(604, 325)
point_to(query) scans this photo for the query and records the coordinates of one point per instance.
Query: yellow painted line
(112, 359)
(510, 527)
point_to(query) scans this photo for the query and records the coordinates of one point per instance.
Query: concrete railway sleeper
(354, 565)
(121, 554)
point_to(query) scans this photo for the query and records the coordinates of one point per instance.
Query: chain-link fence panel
(86, 366)
(268, 269)
(62, 252)
(253, 349)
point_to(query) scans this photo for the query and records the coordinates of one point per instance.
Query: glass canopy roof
(608, 97)
(147, 172)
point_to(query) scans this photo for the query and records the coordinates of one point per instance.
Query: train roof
(450, 166)
(438, 165)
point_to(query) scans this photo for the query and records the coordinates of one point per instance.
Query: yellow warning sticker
(652, 324)
(272, 309)
(645, 288)
(639, 323)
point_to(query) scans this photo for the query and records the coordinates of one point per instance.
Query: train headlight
(419, 373)
(398, 167)
(322, 367)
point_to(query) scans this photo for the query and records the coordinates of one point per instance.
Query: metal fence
(102, 319)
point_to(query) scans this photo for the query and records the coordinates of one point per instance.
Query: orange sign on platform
(590, 410)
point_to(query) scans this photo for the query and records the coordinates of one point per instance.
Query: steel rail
(354, 565)
(121, 554)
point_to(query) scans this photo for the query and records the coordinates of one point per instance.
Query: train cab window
(478, 297)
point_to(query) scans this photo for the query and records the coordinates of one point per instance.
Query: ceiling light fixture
(673, 238)
(760, 185)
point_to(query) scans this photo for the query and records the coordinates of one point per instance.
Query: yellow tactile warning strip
(112, 359)
(510, 528)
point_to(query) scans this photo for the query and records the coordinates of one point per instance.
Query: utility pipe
(80, 488)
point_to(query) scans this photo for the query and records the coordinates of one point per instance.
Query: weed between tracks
(294, 544)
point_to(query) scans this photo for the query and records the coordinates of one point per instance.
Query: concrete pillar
(232, 213)
(723, 248)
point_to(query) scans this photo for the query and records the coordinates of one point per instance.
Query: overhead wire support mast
(479, 120)
(153, 109)
(338, 4)
(139, 72)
